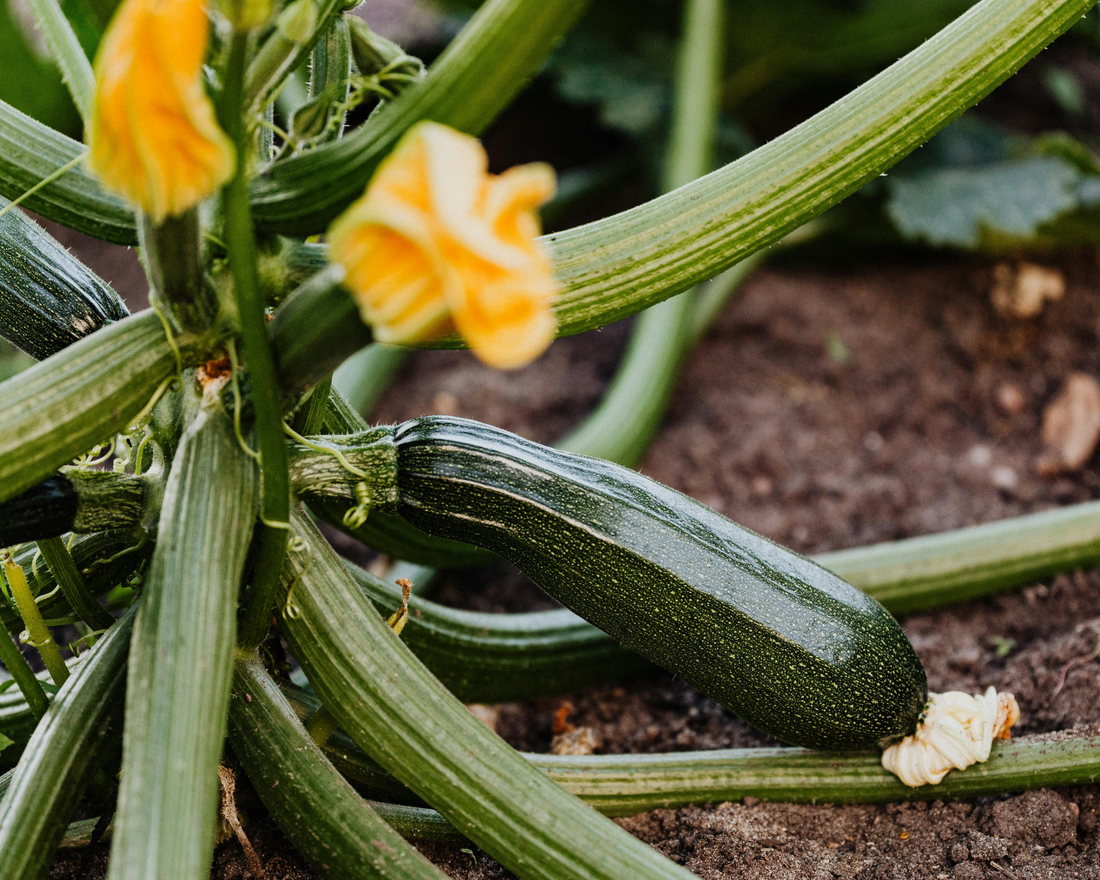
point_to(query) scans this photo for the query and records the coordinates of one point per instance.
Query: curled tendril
(95, 456)
(296, 544)
(354, 517)
(77, 644)
(25, 638)
(38, 600)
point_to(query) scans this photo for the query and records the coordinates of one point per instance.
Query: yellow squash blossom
(437, 242)
(153, 136)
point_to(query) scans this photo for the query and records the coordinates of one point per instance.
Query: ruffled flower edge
(955, 731)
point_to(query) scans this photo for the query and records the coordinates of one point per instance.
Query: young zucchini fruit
(48, 300)
(780, 641)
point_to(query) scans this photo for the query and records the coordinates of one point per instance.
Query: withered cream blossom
(153, 137)
(437, 242)
(957, 730)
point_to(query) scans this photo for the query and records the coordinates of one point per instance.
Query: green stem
(310, 416)
(39, 634)
(72, 584)
(496, 658)
(320, 725)
(614, 267)
(278, 57)
(338, 833)
(266, 400)
(63, 406)
(181, 661)
(104, 559)
(398, 711)
(31, 152)
(625, 785)
(25, 680)
(919, 573)
(62, 757)
(173, 255)
(621, 427)
(66, 50)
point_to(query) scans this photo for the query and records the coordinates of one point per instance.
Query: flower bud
(373, 53)
(298, 21)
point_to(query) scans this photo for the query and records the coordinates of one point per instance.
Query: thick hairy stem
(396, 709)
(182, 660)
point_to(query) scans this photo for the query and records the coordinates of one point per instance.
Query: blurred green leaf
(956, 206)
(976, 186)
(30, 82)
(631, 89)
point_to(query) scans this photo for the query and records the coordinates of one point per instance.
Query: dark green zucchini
(48, 299)
(777, 639)
(75, 500)
(43, 511)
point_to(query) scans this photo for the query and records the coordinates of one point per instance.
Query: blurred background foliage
(1018, 175)
(29, 80)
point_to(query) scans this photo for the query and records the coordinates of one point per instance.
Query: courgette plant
(217, 410)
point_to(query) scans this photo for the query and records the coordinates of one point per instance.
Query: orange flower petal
(436, 235)
(153, 137)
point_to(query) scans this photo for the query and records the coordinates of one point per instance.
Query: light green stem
(621, 428)
(67, 52)
(39, 634)
(614, 267)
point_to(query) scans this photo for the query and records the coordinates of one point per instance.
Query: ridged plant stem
(82, 395)
(72, 584)
(62, 757)
(266, 399)
(621, 428)
(181, 662)
(625, 785)
(340, 835)
(395, 709)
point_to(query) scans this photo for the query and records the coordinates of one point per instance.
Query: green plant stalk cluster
(387, 701)
(323, 815)
(396, 710)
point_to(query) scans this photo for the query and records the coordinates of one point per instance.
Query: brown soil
(901, 429)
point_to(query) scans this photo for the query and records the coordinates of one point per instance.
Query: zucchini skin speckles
(778, 640)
